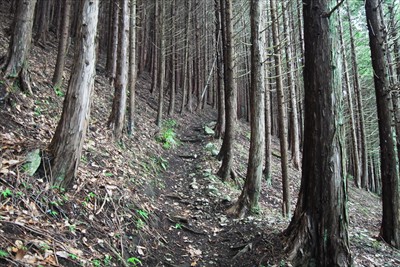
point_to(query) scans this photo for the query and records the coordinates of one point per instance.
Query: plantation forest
(199, 133)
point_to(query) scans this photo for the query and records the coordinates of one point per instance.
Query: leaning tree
(67, 142)
(390, 227)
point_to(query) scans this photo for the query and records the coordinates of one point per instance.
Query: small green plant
(56, 187)
(160, 162)
(44, 247)
(178, 226)
(90, 196)
(170, 123)
(3, 253)
(167, 136)
(96, 263)
(133, 261)
(72, 228)
(140, 223)
(26, 185)
(108, 174)
(6, 193)
(143, 214)
(58, 91)
(37, 111)
(72, 256)
(53, 213)
(107, 260)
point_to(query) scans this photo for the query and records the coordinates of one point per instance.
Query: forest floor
(136, 203)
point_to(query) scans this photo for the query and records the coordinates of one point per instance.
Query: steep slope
(134, 202)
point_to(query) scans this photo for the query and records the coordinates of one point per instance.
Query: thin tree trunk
(132, 68)
(117, 116)
(293, 114)
(220, 126)
(360, 108)
(281, 112)
(248, 200)
(354, 140)
(161, 75)
(226, 152)
(62, 45)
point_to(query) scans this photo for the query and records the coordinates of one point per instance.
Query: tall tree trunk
(62, 45)
(185, 64)
(318, 231)
(390, 227)
(20, 44)
(248, 200)
(293, 114)
(360, 108)
(281, 111)
(268, 119)
(113, 52)
(173, 59)
(396, 87)
(353, 130)
(42, 22)
(117, 116)
(161, 68)
(226, 152)
(67, 142)
(219, 33)
(132, 68)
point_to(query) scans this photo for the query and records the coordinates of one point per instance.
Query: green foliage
(143, 214)
(133, 261)
(140, 223)
(167, 136)
(108, 174)
(72, 256)
(160, 162)
(44, 247)
(107, 260)
(96, 263)
(57, 90)
(170, 123)
(3, 254)
(37, 111)
(178, 226)
(52, 212)
(6, 193)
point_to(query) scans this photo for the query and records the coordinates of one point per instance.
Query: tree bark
(293, 111)
(248, 200)
(281, 111)
(117, 116)
(67, 142)
(360, 107)
(132, 68)
(20, 43)
(226, 152)
(390, 227)
(161, 75)
(113, 51)
(62, 46)
(220, 126)
(318, 232)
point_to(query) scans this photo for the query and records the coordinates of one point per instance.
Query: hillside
(136, 203)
